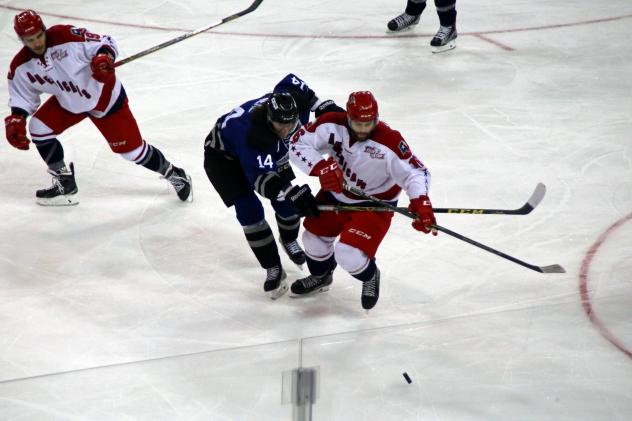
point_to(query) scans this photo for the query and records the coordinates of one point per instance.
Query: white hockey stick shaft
(182, 37)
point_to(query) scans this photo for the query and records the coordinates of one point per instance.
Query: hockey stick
(532, 202)
(182, 37)
(541, 269)
(352, 208)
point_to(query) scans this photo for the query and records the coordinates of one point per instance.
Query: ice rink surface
(153, 309)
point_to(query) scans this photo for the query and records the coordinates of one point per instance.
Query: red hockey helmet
(362, 106)
(27, 23)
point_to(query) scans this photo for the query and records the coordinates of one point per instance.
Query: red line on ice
(583, 287)
(479, 34)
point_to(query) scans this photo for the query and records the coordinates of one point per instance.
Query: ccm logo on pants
(359, 233)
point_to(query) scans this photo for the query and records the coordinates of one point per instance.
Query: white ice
(153, 309)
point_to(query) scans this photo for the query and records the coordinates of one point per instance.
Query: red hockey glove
(102, 67)
(15, 126)
(422, 207)
(330, 175)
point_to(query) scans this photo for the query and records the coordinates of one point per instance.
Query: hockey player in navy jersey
(247, 152)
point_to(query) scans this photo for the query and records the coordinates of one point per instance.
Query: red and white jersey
(381, 166)
(63, 71)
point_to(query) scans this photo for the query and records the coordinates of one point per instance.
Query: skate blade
(279, 292)
(314, 292)
(66, 200)
(449, 46)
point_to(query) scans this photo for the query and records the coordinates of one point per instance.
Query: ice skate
(275, 284)
(311, 285)
(181, 182)
(403, 21)
(63, 192)
(294, 252)
(445, 39)
(371, 291)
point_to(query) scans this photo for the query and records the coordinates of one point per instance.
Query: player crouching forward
(76, 68)
(365, 153)
(247, 152)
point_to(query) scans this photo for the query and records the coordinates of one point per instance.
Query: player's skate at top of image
(445, 38)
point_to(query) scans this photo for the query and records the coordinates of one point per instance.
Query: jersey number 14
(267, 162)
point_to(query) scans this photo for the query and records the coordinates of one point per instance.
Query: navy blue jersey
(253, 142)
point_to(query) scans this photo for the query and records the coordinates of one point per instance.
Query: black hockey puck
(408, 380)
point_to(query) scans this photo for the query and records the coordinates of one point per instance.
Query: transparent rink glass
(538, 363)
(233, 384)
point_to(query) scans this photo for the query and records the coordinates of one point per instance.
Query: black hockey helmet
(281, 108)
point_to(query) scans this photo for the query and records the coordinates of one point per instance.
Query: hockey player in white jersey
(367, 154)
(76, 68)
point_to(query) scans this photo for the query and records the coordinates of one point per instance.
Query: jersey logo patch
(403, 147)
(374, 152)
(59, 55)
(77, 31)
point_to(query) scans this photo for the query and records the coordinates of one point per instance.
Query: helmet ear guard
(281, 108)
(28, 23)
(362, 106)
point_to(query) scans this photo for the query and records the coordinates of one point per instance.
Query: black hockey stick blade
(532, 202)
(405, 212)
(182, 37)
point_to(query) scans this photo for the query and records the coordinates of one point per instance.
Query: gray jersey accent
(290, 223)
(268, 185)
(214, 140)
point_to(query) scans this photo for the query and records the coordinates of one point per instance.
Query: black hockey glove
(304, 99)
(327, 106)
(303, 201)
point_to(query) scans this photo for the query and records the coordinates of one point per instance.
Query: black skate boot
(275, 284)
(181, 182)
(371, 291)
(294, 251)
(403, 21)
(312, 285)
(445, 39)
(63, 192)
